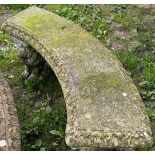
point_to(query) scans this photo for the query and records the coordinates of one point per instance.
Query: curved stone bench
(9, 125)
(104, 108)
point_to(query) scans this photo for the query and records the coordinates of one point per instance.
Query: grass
(120, 16)
(3, 37)
(36, 107)
(46, 130)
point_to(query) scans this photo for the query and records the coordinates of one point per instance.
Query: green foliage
(47, 123)
(149, 74)
(31, 84)
(124, 20)
(120, 9)
(129, 58)
(148, 81)
(46, 131)
(142, 69)
(8, 59)
(120, 15)
(145, 37)
(3, 37)
(151, 114)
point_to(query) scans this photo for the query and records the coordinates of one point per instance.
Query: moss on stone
(34, 20)
(95, 85)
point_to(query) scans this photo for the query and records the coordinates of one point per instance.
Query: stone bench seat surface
(9, 125)
(104, 108)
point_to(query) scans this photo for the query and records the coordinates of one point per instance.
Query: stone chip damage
(104, 108)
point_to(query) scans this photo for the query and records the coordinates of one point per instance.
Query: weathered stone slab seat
(9, 125)
(104, 108)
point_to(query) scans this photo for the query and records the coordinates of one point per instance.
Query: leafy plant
(129, 58)
(48, 123)
(120, 8)
(4, 37)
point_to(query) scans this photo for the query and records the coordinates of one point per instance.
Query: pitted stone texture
(9, 125)
(104, 108)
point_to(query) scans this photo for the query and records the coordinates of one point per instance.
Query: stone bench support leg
(33, 61)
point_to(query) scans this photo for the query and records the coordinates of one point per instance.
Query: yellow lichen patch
(33, 20)
(84, 34)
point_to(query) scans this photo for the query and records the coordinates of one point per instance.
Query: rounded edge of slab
(109, 139)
